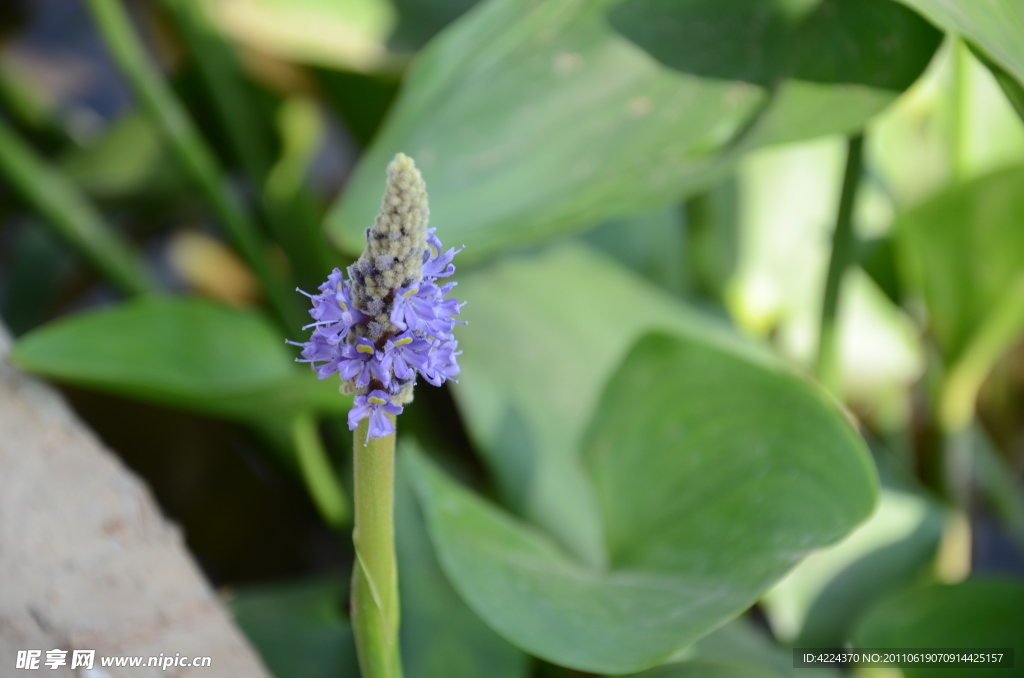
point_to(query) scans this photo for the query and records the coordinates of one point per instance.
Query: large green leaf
(975, 614)
(561, 321)
(824, 596)
(995, 25)
(964, 251)
(531, 119)
(441, 637)
(185, 353)
(712, 475)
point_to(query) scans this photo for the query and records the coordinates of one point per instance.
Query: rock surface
(87, 561)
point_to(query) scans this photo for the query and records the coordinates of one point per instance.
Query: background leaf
(529, 120)
(564, 318)
(995, 25)
(975, 614)
(964, 252)
(674, 464)
(180, 352)
(298, 628)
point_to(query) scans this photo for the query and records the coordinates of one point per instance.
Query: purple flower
(362, 361)
(421, 307)
(405, 354)
(377, 405)
(441, 363)
(332, 311)
(318, 350)
(435, 263)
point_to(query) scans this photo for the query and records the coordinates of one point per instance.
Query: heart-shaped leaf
(441, 637)
(562, 320)
(185, 353)
(532, 119)
(974, 614)
(712, 475)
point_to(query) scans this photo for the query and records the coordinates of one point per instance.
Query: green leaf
(994, 25)
(184, 353)
(299, 629)
(563, 319)
(351, 35)
(964, 251)
(532, 119)
(827, 593)
(873, 43)
(974, 614)
(652, 245)
(128, 161)
(740, 640)
(708, 487)
(441, 637)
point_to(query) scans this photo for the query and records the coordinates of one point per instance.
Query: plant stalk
(844, 247)
(375, 574)
(72, 215)
(191, 151)
(321, 482)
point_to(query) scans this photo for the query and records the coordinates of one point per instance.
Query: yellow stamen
(377, 401)
(410, 292)
(403, 342)
(363, 348)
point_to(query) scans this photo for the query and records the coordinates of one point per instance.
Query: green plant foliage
(705, 668)
(562, 320)
(995, 25)
(128, 162)
(741, 641)
(964, 252)
(703, 486)
(874, 43)
(299, 629)
(185, 353)
(975, 614)
(441, 637)
(531, 119)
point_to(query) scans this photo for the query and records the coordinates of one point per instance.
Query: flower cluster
(391, 318)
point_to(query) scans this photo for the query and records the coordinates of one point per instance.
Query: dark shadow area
(877, 43)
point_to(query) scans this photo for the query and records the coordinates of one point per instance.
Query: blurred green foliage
(636, 472)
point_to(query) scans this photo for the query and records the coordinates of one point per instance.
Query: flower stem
(323, 485)
(375, 575)
(844, 247)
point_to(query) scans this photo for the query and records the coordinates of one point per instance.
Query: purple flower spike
(377, 406)
(388, 320)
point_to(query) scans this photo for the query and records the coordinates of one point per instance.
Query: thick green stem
(844, 246)
(321, 482)
(190, 149)
(375, 574)
(71, 214)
